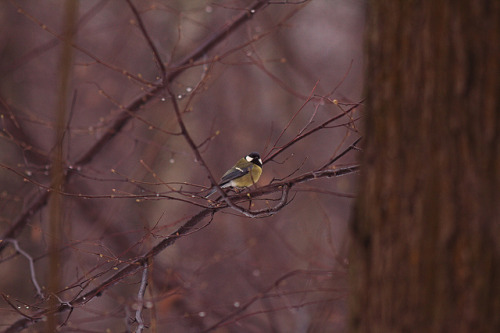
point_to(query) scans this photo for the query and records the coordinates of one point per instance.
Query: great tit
(244, 173)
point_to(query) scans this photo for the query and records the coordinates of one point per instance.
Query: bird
(244, 173)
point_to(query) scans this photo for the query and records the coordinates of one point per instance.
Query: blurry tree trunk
(426, 229)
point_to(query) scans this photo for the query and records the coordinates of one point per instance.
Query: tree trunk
(426, 229)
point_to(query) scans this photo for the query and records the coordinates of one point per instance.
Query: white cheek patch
(260, 161)
(248, 158)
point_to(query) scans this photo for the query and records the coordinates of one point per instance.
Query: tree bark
(425, 255)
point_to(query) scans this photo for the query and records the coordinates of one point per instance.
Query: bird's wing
(233, 174)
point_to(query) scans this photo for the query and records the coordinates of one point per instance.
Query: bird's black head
(254, 158)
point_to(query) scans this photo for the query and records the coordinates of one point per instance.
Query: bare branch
(309, 176)
(337, 157)
(31, 263)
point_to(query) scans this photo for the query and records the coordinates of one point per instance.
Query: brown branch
(265, 212)
(284, 187)
(309, 176)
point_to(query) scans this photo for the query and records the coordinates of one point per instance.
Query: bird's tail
(212, 191)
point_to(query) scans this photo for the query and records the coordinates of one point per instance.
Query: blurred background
(249, 93)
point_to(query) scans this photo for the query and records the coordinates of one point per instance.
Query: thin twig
(140, 299)
(336, 158)
(306, 134)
